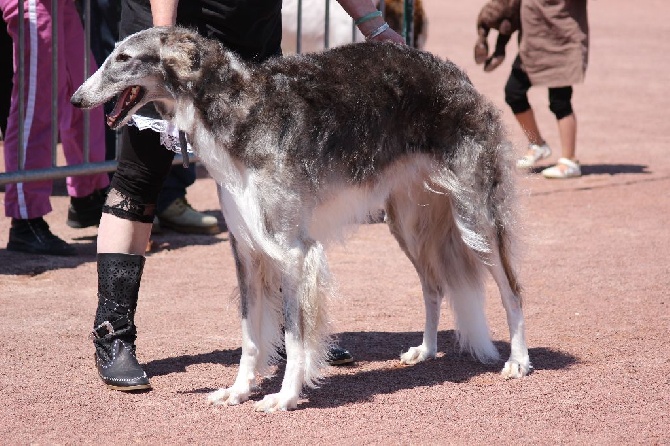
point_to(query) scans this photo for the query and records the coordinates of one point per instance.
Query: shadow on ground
(358, 385)
(178, 364)
(344, 389)
(23, 264)
(605, 169)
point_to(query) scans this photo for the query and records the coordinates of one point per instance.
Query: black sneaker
(33, 236)
(336, 355)
(86, 211)
(339, 356)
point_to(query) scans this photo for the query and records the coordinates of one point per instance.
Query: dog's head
(154, 65)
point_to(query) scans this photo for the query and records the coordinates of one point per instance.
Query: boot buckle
(97, 332)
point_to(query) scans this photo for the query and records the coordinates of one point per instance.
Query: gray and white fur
(304, 146)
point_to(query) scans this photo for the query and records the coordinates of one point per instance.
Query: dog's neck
(217, 98)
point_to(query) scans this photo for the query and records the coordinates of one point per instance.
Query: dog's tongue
(125, 98)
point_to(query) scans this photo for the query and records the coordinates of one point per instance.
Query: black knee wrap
(516, 90)
(143, 166)
(127, 208)
(518, 104)
(560, 101)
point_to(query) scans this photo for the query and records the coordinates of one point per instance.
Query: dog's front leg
(306, 289)
(287, 398)
(428, 349)
(241, 389)
(251, 311)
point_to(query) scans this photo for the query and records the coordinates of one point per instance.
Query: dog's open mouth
(127, 100)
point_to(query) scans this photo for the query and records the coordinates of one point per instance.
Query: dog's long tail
(480, 179)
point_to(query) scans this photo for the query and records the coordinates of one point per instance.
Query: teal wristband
(367, 17)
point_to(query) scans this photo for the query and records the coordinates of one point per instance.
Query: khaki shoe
(181, 217)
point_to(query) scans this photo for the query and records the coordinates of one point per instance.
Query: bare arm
(360, 8)
(164, 12)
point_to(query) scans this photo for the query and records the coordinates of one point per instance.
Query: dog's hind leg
(432, 300)
(406, 221)
(402, 223)
(422, 222)
(518, 364)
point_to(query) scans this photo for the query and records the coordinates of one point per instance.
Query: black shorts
(516, 93)
(251, 28)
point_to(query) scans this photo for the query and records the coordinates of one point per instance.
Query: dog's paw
(516, 369)
(416, 355)
(227, 397)
(275, 402)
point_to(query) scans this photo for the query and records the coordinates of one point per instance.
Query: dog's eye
(122, 57)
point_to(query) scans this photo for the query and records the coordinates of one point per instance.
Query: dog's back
(384, 100)
(325, 122)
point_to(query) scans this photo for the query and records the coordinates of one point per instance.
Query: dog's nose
(76, 100)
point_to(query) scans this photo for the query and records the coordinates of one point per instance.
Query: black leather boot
(114, 329)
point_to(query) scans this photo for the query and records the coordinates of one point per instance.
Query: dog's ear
(180, 54)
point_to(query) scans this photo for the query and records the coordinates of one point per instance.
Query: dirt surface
(595, 268)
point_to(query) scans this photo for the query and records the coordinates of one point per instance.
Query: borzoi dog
(303, 146)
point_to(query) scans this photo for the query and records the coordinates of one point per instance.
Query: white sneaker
(535, 154)
(564, 168)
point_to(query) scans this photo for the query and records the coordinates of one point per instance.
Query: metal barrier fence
(88, 167)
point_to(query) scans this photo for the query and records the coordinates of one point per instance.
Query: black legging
(517, 88)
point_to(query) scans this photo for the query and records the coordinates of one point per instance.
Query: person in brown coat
(553, 52)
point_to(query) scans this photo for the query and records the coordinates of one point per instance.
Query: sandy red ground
(595, 268)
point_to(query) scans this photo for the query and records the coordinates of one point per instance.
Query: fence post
(408, 22)
(298, 43)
